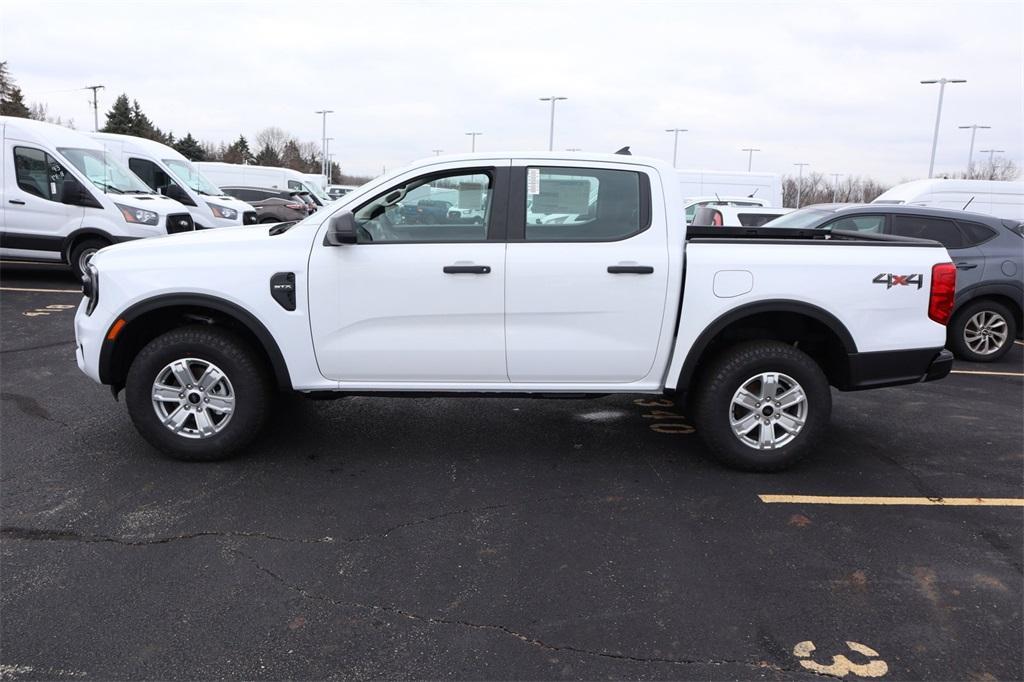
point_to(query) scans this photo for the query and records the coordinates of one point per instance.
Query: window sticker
(563, 196)
(533, 181)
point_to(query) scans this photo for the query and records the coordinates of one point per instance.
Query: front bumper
(895, 368)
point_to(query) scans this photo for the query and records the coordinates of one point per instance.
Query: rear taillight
(716, 219)
(940, 301)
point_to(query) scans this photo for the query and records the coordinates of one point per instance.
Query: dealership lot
(500, 538)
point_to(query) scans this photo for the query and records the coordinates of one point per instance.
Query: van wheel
(982, 331)
(82, 252)
(198, 393)
(762, 406)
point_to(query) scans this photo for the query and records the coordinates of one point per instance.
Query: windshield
(104, 172)
(315, 191)
(805, 217)
(191, 176)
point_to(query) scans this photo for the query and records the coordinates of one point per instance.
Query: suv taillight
(940, 301)
(296, 207)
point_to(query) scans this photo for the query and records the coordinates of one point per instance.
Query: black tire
(266, 220)
(731, 370)
(247, 375)
(83, 250)
(957, 340)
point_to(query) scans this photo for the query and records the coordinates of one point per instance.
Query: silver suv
(989, 257)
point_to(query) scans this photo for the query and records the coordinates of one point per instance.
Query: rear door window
(874, 224)
(938, 229)
(584, 204)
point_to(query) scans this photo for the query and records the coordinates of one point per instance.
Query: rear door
(586, 277)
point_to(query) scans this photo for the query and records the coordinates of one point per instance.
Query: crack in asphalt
(39, 347)
(522, 637)
(21, 533)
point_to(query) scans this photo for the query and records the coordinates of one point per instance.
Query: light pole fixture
(938, 115)
(974, 131)
(800, 182)
(437, 152)
(573, 149)
(473, 143)
(675, 141)
(95, 106)
(323, 139)
(551, 129)
(750, 156)
(992, 154)
(835, 185)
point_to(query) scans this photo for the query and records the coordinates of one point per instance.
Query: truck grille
(179, 222)
(249, 218)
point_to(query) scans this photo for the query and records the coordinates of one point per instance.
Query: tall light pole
(95, 106)
(750, 156)
(330, 169)
(991, 154)
(675, 141)
(473, 144)
(800, 182)
(328, 155)
(437, 152)
(323, 139)
(938, 115)
(835, 185)
(551, 129)
(974, 131)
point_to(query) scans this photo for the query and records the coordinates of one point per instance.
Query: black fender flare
(770, 306)
(235, 311)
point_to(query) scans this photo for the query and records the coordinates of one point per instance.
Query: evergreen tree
(239, 152)
(119, 118)
(190, 148)
(268, 156)
(12, 102)
(291, 156)
(141, 126)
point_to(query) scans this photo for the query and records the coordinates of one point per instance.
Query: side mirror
(72, 192)
(341, 230)
(173, 191)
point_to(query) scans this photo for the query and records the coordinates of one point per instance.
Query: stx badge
(890, 280)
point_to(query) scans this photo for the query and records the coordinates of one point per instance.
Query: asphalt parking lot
(551, 539)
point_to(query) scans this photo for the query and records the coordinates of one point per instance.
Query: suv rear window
(976, 233)
(943, 231)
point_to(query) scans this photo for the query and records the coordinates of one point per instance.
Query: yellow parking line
(896, 501)
(44, 291)
(988, 374)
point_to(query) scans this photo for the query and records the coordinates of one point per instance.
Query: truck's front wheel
(762, 405)
(197, 393)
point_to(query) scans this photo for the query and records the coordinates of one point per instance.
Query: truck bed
(756, 235)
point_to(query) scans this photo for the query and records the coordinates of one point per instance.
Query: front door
(587, 280)
(420, 297)
(35, 220)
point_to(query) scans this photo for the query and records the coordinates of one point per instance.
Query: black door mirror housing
(72, 192)
(341, 230)
(174, 191)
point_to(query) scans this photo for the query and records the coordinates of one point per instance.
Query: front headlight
(91, 287)
(223, 212)
(138, 216)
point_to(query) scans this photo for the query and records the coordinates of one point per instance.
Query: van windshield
(191, 176)
(104, 172)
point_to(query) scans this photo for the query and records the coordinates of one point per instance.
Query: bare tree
(272, 138)
(997, 168)
(816, 189)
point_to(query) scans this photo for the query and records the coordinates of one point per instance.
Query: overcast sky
(832, 84)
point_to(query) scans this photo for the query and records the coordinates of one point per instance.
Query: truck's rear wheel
(197, 393)
(762, 406)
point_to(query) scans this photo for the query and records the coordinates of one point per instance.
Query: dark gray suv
(988, 253)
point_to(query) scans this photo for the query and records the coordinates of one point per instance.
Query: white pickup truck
(377, 295)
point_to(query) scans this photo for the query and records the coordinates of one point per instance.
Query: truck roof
(143, 145)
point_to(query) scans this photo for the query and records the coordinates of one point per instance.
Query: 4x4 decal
(890, 280)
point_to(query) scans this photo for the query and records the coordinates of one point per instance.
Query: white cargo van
(171, 174)
(1000, 198)
(267, 177)
(62, 197)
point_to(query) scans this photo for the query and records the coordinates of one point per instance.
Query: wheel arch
(147, 319)
(824, 337)
(1009, 294)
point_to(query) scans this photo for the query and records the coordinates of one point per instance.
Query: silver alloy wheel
(768, 411)
(84, 258)
(985, 332)
(193, 398)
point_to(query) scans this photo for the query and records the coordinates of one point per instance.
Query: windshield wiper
(111, 188)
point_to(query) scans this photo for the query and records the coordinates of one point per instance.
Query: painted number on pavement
(664, 421)
(841, 666)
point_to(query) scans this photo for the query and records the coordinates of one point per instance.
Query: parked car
(271, 177)
(692, 204)
(706, 183)
(63, 198)
(989, 257)
(750, 336)
(749, 216)
(335, 192)
(1000, 198)
(272, 205)
(169, 173)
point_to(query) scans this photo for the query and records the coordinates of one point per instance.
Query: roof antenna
(751, 195)
(625, 151)
(967, 204)
(718, 198)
